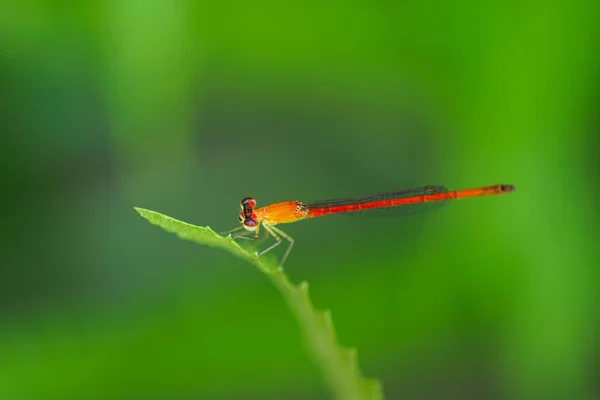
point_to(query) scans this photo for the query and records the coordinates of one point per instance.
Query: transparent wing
(386, 210)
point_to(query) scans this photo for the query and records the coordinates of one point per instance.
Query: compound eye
(250, 224)
(248, 202)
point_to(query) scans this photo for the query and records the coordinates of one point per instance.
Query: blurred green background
(186, 107)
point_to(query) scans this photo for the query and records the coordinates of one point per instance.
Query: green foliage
(338, 365)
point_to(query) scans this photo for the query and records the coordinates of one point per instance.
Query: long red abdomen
(427, 194)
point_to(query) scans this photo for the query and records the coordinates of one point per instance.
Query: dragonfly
(402, 202)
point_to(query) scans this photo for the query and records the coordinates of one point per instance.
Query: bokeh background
(186, 107)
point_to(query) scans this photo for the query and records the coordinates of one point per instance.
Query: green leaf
(338, 365)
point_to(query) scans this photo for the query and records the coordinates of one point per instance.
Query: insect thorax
(301, 208)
